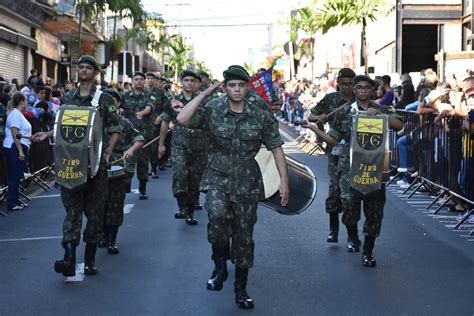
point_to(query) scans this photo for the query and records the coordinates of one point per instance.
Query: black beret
(365, 78)
(202, 73)
(151, 74)
(113, 92)
(236, 72)
(139, 73)
(189, 73)
(87, 59)
(346, 73)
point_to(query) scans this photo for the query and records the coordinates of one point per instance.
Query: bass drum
(303, 188)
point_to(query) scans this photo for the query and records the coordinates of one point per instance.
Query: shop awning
(17, 38)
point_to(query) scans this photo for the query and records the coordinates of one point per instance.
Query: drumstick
(144, 146)
(19, 136)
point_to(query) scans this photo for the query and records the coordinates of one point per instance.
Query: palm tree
(201, 66)
(178, 55)
(121, 9)
(343, 12)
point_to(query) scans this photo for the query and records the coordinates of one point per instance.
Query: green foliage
(249, 68)
(201, 66)
(342, 12)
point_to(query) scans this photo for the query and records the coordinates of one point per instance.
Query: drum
(115, 172)
(303, 187)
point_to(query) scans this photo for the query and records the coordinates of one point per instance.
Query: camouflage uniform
(351, 200)
(329, 103)
(90, 198)
(117, 186)
(232, 179)
(158, 109)
(189, 155)
(132, 103)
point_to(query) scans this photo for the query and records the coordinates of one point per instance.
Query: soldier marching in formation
(215, 140)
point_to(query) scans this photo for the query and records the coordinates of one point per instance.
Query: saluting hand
(212, 88)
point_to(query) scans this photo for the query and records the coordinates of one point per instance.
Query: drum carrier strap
(96, 98)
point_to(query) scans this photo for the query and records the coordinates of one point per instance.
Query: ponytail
(15, 101)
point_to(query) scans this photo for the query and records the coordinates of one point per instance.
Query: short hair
(386, 80)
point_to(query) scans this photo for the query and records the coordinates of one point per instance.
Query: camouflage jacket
(255, 98)
(189, 138)
(235, 139)
(342, 124)
(132, 103)
(160, 101)
(329, 103)
(128, 136)
(107, 111)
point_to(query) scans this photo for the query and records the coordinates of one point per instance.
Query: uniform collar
(77, 92)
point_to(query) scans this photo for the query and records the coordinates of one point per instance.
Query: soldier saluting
(232, 179)
(90, 197)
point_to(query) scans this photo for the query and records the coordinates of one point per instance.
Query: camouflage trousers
(89, 200)
(232, 221)
(142, 157)
(188, 167)
(116, 200)
(333, 201)
(373, 204)
(154, 148)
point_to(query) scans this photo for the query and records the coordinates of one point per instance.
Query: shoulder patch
(112, 108)
(153, 98)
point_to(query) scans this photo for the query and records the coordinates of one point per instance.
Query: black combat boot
(89, 259)
(220, 274)
(333, 227)
(105, 238)
(67, 266)
(142, 190)
(190, 220)
(242, 299)
(353, 241)
(181, 199)
(367, 259)
(112, 245)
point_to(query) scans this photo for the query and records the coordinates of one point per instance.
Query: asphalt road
(423, 267)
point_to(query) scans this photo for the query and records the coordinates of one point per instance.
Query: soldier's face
(188, 84)
(138, 82)
(236, 90)
(363, 91)
(150, 82)
(159, 84)
(86, 72)
(345, 84)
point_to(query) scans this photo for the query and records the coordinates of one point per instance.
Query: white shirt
(16, 119)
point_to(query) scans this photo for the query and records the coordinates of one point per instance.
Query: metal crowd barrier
(40, 166)
(441, 155)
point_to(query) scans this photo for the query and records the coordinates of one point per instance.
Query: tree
(343, 12)
(178, 54)
(201, 66)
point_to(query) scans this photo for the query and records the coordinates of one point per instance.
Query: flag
(263, 85)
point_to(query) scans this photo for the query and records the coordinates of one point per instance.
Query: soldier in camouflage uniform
(232, 179)
(152, 88)
(129, 143)
(138, 107)
(90, 198)
(319, 113)
(339, 135)
(189, 153)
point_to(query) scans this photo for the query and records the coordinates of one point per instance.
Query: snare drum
(115, 172)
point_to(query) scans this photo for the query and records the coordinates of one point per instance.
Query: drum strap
(96, 98)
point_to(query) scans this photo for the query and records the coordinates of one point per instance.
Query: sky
(201, 22)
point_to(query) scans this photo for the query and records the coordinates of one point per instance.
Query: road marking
(46, 196)
(79, 274)
(127, 209)
(31, 238)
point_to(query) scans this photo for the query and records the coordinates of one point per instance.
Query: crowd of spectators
(445, 101)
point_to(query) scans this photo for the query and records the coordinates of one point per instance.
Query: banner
(75, 140)
(368, 148)
(263, 85)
